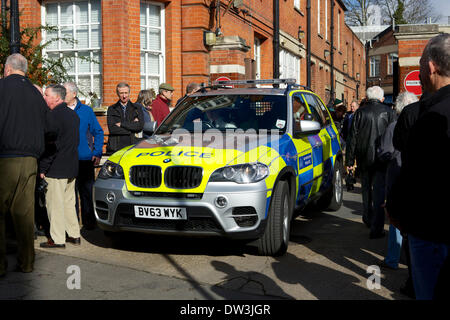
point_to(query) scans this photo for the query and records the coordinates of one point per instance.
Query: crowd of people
(49, 164)
(390, 148)
(51, 141)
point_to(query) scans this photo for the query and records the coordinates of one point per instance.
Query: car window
(299, 107)
(315, 108)
(324, 111)
(233, 111)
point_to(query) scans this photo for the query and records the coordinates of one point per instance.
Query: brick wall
(187, 59)
(382, 47)
(120, 47)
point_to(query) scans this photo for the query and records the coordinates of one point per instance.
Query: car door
(320, 143)
(305, 173)
(333, 145)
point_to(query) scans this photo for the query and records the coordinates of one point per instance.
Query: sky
(442, 7)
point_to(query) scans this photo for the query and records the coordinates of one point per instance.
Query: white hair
(71, 86)
(17, 62)
(375, 93)
(404, 99)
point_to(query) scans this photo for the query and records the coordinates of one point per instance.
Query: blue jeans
(394, 247)
(427, 259)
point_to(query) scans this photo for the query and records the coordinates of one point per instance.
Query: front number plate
(167, 213)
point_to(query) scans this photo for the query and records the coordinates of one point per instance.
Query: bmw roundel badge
(167, 160)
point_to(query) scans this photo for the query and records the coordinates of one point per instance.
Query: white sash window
(152, 35)
(79, 21)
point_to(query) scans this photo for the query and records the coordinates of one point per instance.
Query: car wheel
(275, 239)
(332, 200)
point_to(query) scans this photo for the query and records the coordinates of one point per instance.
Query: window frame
(161, 53)
(374, 63)
(283, 64)
(318, 17)
(391, 57)
(94, 52)
(257, 56)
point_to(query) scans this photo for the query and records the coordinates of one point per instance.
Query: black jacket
(419, 197)
(22, 118)
(368, 125)
(125, 135)
(60, 160)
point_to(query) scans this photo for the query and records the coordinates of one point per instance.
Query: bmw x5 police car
(234, 162)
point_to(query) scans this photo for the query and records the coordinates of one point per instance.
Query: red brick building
(145, 43)
(412, 39)
(382, 56)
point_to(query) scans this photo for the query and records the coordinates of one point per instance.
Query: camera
(350, 180)
(42, 186)
(41, 189)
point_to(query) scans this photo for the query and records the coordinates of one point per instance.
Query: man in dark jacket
(22, 125)
(418, 201)
(125, 121)
(368, 125)
(59, 167)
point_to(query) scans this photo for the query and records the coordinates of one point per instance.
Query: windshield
(225, 112)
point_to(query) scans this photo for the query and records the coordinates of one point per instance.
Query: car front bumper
(243, 217)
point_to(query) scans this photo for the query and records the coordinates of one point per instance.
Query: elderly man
(59, 167)
(191, 88)
(90, 150)
(368, 125)
(125, 121)
(160, 106)
(22, 124)
(417, 203)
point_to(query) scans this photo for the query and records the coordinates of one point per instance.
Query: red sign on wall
(223, 78)
(412, 83)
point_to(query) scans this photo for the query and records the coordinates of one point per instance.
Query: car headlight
(242, 173)
(111, 170)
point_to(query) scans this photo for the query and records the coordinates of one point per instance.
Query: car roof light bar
(299, 86)
(253, 82)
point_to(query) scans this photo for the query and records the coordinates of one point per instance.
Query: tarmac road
(328, 258)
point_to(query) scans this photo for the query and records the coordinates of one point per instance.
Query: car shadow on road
(355, 206)
(170, 244)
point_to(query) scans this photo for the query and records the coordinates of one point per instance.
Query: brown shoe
(75, 241)
(51, 244)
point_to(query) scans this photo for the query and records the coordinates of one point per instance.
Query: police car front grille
(183, 177)
(146, 176)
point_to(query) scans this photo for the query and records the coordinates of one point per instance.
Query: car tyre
(332, 200)
(275, 240)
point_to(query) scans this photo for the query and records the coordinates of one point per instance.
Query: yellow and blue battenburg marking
(312, 158)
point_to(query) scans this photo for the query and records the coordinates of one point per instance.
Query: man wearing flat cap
(160, 106)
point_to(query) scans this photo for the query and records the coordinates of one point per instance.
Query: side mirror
(149, 127)
(307, 127)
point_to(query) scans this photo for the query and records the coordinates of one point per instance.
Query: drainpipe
(276, 39)
(15, 32)
(3, 15)
(308, 44)
(332, 93)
